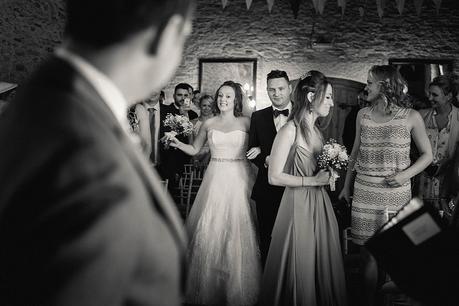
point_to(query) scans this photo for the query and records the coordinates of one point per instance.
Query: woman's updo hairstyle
(393, 87)
(312, 82)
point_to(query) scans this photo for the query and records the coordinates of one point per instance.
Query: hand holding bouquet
(333, 157)
(179, 125)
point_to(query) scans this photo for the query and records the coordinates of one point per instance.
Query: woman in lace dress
(381, 157)
(224, 261)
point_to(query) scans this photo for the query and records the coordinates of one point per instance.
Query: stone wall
(31, 28)
(29, 31)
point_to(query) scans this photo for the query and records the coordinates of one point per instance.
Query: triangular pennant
(437, 5)
(418, 6)
(342, 5)
(315, 3)
(249, 3)
(380, 5)
(400, 6)
(321, 6)
(270, 5)
(224, 3)
(295, 7)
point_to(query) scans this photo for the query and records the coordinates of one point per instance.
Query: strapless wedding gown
(224, 260)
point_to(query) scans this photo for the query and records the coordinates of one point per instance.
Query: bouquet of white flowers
(333, 157)
(179, 125)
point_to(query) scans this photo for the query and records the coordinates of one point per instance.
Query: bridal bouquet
(333, 157)
(179, 125)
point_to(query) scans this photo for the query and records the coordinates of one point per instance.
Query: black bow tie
(277, 112)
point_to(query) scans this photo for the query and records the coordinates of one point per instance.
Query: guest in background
(453, 190)
(442, 125)
(84, 219)
(381, 158)
(304, 264)
(207, 106)
(144, 120)
(196, 98)
(224, 263)
(264, 126)
(162, 97)
(171, 161)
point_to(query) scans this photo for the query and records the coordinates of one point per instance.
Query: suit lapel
(159, 196)
(269, 119)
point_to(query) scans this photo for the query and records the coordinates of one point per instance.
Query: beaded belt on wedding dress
(216, 159)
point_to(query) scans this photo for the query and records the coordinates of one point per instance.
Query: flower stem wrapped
(333, 157)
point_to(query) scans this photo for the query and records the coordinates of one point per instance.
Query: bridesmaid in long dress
(304, 265)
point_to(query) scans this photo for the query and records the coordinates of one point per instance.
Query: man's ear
(310, 96)
(174, 25)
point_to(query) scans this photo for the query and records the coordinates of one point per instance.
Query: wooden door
(345, 94)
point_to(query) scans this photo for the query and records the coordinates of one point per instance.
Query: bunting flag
(437, 5)
(315, 3)
(380, 5)
(321, 6)
(224, 3)
(400, 5)
(249, 3)
(270, 5)
(295, 7)
(342, 5)
(418, 6)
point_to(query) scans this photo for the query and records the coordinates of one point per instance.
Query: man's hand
(267, 161)
(186, 106)
(253, 152)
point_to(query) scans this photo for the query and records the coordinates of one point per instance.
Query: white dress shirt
(280, 120)
(105, 87)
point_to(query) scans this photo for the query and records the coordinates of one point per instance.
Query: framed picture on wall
(214, 71)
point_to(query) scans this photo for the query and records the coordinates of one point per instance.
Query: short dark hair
(185, 86)
(238, 97)
(196, 91)
(277, 74)
(101, 23)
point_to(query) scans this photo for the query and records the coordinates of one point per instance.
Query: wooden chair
(184, 183)
(165, 183)
(346, 237)
(195, 184)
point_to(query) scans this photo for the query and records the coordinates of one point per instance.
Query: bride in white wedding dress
(224, 259)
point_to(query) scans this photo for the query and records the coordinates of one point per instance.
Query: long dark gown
(304, 265)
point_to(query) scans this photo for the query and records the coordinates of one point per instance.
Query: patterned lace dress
(384, 150)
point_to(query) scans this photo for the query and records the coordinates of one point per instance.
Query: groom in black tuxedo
(264, 126)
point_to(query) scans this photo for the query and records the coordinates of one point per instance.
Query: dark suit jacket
(171, 160)
(262, 134)
(83, 220)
